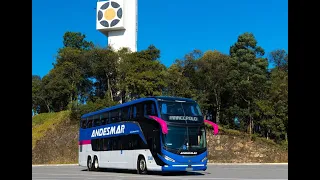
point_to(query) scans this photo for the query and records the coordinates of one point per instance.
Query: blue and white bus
(148, 134)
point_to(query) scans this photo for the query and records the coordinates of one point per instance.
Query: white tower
(117, 19)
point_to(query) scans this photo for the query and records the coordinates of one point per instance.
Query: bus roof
(159, 98)
(170, 98)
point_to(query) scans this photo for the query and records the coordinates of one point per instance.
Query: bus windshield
(185, 138)
(179, 108)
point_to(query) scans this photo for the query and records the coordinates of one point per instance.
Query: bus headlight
(168, 158)
(205, 158)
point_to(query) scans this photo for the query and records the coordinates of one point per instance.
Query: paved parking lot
(214, 172)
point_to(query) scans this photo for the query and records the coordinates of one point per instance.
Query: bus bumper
(194, 167)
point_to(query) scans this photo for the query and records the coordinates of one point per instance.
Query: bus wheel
(89, 164)
(95, 163)
(142, 165)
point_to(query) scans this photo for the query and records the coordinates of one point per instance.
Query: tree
(248, 77)
(56, 90)
(182, 78)
(236, 86)
(72, 67)
(76, 40)
(273, 110)
(279, 95)
(141, 75)
(77, 67)
(177, 84)
(280, 59)
(151, 53)
(104, 70)
(36, 91)
(213, 71)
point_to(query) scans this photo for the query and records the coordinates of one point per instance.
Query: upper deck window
(180, 108)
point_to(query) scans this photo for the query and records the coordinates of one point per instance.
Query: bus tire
(141, 165)
(89, 164)
(95, 163)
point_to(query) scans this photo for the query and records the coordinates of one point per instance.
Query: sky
(176, 27)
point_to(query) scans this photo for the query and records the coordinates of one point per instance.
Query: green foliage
(249, 75)
(152, 53)
(284, 144)
(36, 93)
(76, 40)
(77, 110)
(104, 70)
(213, 69)
(177, 84)
(44, 121)
(141, 74)
(231, 132)
(231, 86)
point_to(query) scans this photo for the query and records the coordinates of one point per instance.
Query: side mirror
(214, 126)
(162, 123)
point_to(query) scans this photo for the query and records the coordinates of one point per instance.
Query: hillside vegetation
(55, 140)
(44, 122)
(245, 89)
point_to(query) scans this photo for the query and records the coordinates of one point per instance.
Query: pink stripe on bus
(214, 125)
(162, 123)
(83, 142)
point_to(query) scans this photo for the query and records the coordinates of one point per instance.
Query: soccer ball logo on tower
(109, 14)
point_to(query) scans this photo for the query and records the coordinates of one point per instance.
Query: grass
(45, 121)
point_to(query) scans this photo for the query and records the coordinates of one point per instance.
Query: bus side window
(104, 118)
(134, 141)
(124, 114)
(125, 142)
(134, 114)
(97, 145)
(94, 144)
(89, 125)
(164, 108)
(119, 144)
(153, 109)
(109, 144)
(140, 110)
(81, 122)
(96, 121)
(105, 144)
(114, 115)
(193, 111)
(84, 124)
(129, 113)
(103, 121)
(150, 109)
(119, 115)
(114, 143)
(101, 144)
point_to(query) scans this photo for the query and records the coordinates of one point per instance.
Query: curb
(247, 164)
(35, 165)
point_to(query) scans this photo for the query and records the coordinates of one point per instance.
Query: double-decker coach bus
(148, 134)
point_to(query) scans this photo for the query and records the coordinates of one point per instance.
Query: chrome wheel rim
(142, 165)
(89, 164)
(96, 165)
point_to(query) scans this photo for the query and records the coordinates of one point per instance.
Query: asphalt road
(214, 172)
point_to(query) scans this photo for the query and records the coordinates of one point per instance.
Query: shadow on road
(150, 172)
